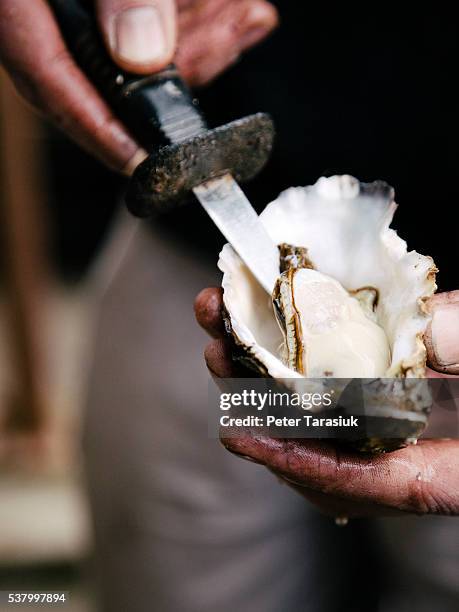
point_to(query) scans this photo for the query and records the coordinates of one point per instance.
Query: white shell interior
(344, 224)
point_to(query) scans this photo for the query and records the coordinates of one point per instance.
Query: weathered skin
(35, 56)
(422, 479)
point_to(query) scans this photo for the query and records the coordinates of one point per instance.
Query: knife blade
(230, 210)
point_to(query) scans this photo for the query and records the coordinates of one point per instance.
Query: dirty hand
(422, 479)
(143, 36)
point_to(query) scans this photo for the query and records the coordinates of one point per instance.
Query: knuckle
(420, 499)
(261, 11)
(428, 498)
(427, 493)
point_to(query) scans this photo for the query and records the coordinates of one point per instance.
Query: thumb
(442, 335)
(140, 34)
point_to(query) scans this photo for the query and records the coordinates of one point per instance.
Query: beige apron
(181, 524)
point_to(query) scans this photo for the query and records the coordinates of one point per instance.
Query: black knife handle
(157, 109)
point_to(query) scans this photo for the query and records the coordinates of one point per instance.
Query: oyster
(350, 300)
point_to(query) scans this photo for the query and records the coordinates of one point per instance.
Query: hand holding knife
(185, 156)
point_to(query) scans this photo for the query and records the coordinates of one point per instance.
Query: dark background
(368, 92)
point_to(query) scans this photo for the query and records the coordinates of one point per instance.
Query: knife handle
(157, 109)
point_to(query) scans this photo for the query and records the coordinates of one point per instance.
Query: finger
(140, 34)
(420, 479)
(198, 13)
(208, 307)
(213, 34)
(35, 55)
(442, 335)
(330, 505)
(219, 359)
(335, 507)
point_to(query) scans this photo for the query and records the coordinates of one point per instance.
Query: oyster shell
(344, 252)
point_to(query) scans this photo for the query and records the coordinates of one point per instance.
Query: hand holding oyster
(350, 244)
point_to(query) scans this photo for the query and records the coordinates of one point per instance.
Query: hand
(141, 36)
(422, 479)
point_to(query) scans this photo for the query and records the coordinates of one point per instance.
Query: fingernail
(445, 334)
(139, 156)
(139, 35)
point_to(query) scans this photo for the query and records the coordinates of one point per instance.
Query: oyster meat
(327, 332)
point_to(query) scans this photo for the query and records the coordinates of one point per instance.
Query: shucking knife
(184, 155)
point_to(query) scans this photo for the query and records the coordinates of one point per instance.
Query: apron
(180, 524)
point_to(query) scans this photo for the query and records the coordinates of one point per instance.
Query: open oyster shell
(344, 225)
